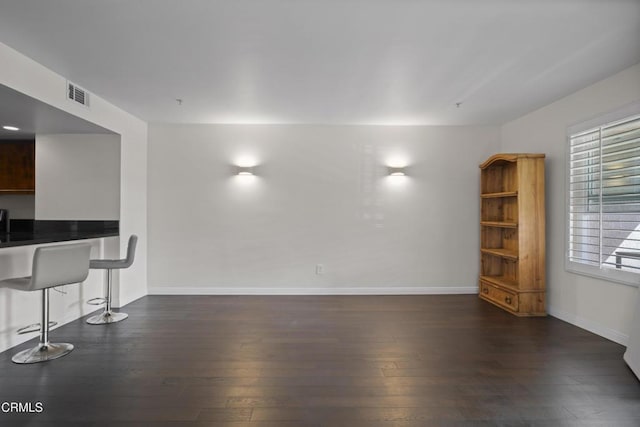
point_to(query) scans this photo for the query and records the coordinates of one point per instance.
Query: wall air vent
(77, 94)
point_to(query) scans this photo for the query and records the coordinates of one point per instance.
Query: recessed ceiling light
(10, 128)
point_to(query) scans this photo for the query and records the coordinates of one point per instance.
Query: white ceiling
(328, 61)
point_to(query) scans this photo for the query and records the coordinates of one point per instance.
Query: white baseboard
(390, 290)
(591, 326)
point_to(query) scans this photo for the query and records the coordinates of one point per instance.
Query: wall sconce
(396, 171)
(244, 171)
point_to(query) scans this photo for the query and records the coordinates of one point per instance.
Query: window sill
(609, 275)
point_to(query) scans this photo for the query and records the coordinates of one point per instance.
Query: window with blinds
(604, 199)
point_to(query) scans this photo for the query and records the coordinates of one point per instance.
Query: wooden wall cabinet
(17, 167)
(512, 240)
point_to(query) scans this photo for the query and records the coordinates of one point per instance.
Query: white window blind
(604, 198)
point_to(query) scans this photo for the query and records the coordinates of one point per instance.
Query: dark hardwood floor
(325, 361)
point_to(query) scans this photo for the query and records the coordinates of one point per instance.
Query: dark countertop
(33, 232)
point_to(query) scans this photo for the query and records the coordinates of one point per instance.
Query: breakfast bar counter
(32, 232)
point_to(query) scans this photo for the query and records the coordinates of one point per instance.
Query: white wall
(21, 206)
(320, 196)
(597, 305)
(27, 76)
(77, 177)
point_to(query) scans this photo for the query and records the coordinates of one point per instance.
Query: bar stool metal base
(42, 353)
(106, 317)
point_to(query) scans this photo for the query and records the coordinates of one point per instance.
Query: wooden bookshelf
(499, 195)
(501, 252)
(512, 241)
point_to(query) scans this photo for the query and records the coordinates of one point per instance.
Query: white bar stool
(52, 266)
(108, 316)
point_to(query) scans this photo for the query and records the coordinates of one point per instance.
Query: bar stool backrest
(60, 265)
(131, 251)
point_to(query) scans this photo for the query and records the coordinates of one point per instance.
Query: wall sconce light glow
(397, 160)
(12, 128)
(245, 161)
(245, 171)
(394, 171)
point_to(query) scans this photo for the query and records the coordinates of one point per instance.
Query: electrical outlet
(319, 269)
